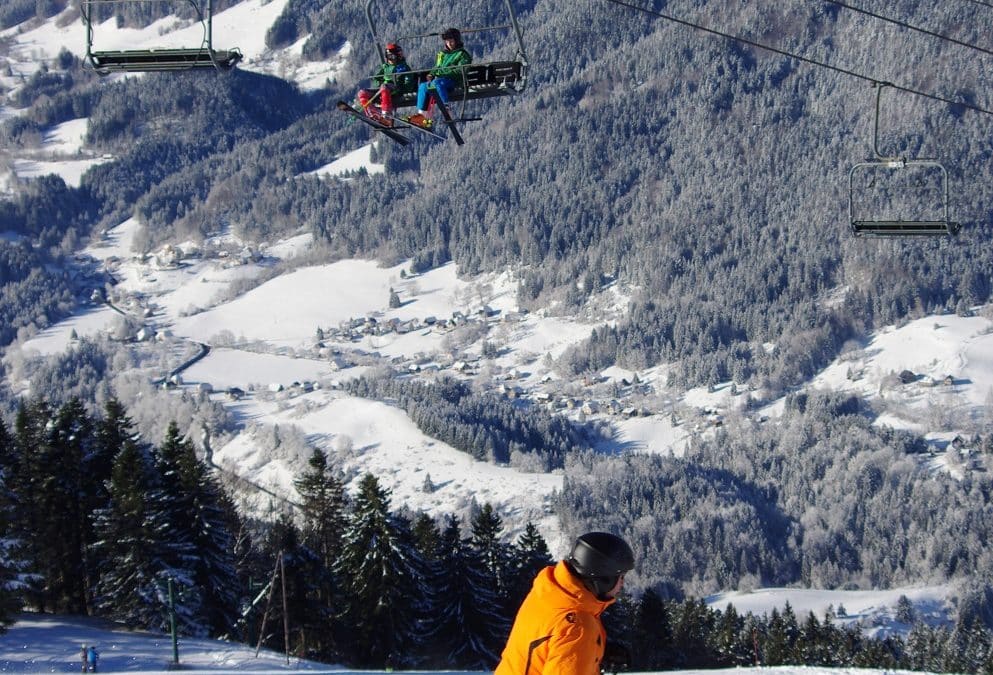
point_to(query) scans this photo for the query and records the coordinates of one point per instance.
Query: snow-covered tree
(132, 576)
(381, 573)
(494, 554)
(11, 564)
(529, 555)
(468, 626)
(195, 514)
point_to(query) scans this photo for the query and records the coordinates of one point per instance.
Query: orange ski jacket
(557, 630)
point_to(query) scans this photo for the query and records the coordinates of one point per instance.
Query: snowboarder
(441, 79)
(558, 629)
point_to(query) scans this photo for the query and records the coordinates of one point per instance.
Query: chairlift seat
(481, 80)
(147, 60)
(904, 228)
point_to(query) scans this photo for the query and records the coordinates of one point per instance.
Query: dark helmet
(452, 34)
(599, 558)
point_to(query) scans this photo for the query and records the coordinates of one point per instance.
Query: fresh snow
(40, 643)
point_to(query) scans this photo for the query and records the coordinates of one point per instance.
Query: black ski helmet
(599, 558)
(452, 34)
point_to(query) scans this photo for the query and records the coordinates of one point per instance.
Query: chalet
(235, 394)
(590, 408)
(907, 376)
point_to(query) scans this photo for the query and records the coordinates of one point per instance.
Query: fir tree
(324, 504)
(132, 575)
(652, 633)
(324, 518)
(468, 626)
(11, 545)
(307, 614)
(486, 528)
(196, 513)
(528, 556)
(381, 572)
(427, 537)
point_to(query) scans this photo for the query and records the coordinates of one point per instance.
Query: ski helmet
(599, 559)
(393, 48)
(452, 34)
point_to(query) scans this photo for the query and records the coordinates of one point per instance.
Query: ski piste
(359, 115)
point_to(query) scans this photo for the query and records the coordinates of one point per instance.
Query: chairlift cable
(803, 59)
(984, 4)
(902, 24)
(427, 35)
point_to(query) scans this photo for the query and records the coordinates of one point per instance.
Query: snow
(351, 163)
(874, 610)
(242, 26)
(40, 643)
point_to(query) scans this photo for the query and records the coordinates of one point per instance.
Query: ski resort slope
(51, 644)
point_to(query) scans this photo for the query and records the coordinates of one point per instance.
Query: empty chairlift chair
(157, 59)
(927, 220)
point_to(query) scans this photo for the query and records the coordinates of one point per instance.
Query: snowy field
(47, 644)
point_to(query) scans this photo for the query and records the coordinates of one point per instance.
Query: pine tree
(324, 519)
(55, 515)
(467, 627)
(132, 577)
(427, 538)
(528, 556)
(486, 528)
(26, 477)
(195, 512)
(324, 504)
(308, 615)
(382, 573)
(11, 545)
(653, 634)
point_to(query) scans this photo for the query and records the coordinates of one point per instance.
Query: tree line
(97, 522)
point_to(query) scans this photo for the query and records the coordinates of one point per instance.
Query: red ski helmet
(393, 48)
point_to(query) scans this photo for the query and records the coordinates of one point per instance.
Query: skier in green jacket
(392, 77)
(443, 78)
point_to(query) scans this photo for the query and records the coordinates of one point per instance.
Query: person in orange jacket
(558, 629)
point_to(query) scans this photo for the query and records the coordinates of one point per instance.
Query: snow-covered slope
(47, 644)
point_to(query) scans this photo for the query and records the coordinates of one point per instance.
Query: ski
(404, 124)
(359, 115)
(451, 123)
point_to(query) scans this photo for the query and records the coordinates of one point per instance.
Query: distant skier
(91, 658)
(558, 629)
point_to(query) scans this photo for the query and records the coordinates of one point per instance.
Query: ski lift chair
(882, 227)
(153, 60)
(478, 80)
